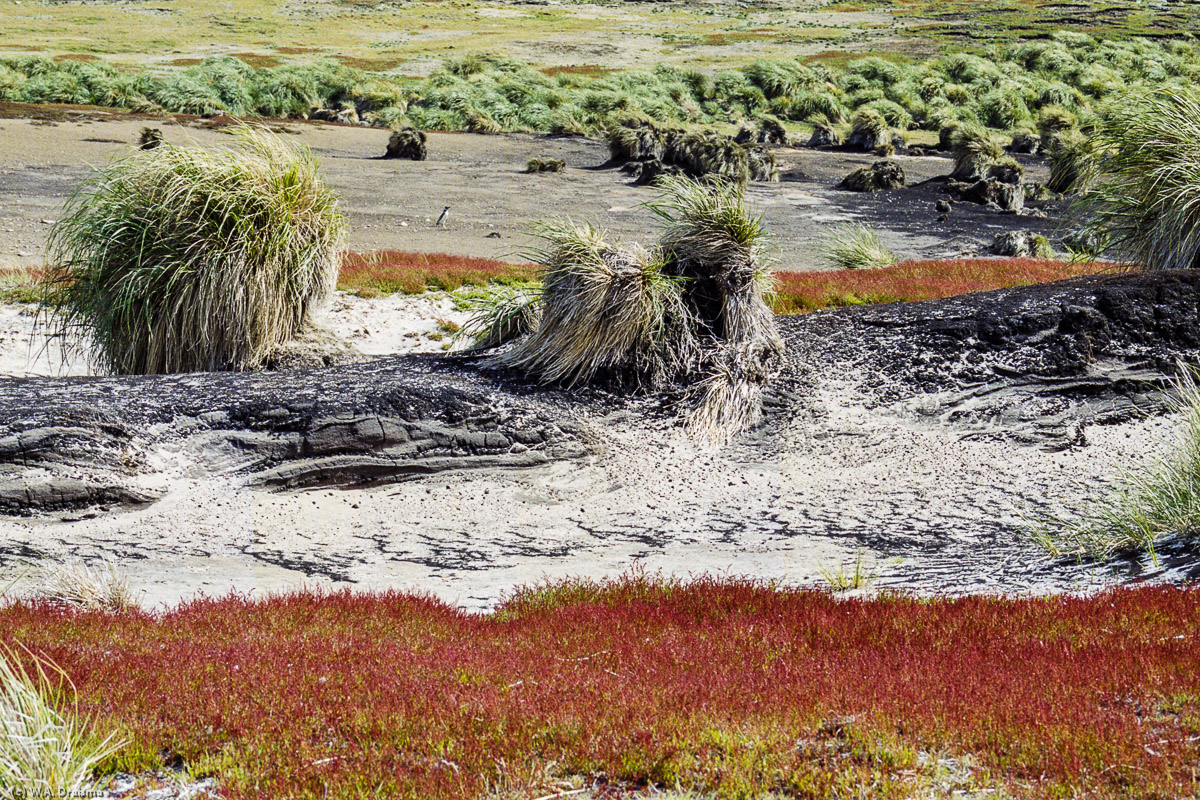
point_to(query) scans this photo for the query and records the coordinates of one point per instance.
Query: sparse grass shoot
(847, 577)
(1144, 502)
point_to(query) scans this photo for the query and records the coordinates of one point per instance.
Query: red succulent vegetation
(388, 271)
(917, 280)
(728, 687)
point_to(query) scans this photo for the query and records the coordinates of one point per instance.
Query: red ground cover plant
(728, 687)
(797, 292)
(389, 271)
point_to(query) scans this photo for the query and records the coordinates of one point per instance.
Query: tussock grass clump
(44, 750)
(857, 246)
(603, 306)
(690, 311)
(1072, 162)
(181, 260)
(868, 130)
(488, 93)
(150, 138)
(975, 151)
(658, 150)
(1145, 502)
(504, 314)
(1145, 198)
(407, 143)
(545, 165)
(718, 246)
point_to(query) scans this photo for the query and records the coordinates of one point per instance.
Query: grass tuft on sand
(181, 259)
(690, 311)
(1145, 502)
(857, 246)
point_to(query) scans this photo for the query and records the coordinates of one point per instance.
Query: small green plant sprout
(183, 259)
(1143, 503)
(45, 749)
(846, 577)
(857, 246)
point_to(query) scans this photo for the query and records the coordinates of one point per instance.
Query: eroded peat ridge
(922, 435)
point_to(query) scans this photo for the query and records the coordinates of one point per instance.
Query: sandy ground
(393, 204)
(377, 326)
(927, 507)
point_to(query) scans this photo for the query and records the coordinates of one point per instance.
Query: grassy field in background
(733, 689)
(408, 35)
(386, 36)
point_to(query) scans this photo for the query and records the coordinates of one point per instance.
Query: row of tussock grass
(1007, 88)
(727, 688)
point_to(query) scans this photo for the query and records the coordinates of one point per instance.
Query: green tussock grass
(501, 315)
(180, 259)
(1005, 87)
(688, 311)
(975, 151)
(545, 165)
(1144, 200)
(603, 305)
